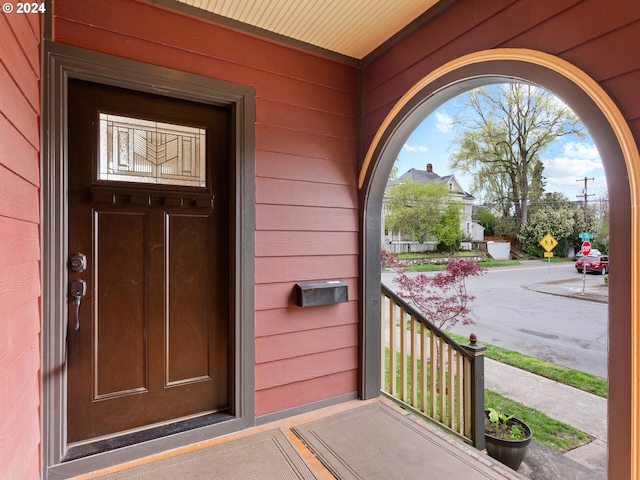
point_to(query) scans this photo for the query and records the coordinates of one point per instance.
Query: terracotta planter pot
(508, 452)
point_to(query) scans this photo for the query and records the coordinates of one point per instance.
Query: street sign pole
(585, 249)
(548, 243)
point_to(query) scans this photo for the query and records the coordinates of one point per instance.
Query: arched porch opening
(619, 153)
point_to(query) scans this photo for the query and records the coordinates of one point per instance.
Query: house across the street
(470, 230)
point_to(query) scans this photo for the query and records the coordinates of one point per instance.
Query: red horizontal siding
(27, 38)
(291, 192)
(19, 247)
(292, 244)
(18, 154)
(287, 320)
(293, 370)
(296, 269)
(17, 108)
(18, 198)
(301, 393)
(20, 65)
(296, 167)
(302, 119)
(564, 32)
(309, 218)
(310, 144)
(19, 242)
(19, 400)
(628, 99)
(282, 295)
(299, 344)
(19, 284)
(612, 62)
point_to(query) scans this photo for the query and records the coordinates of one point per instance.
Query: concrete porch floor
(454, 448)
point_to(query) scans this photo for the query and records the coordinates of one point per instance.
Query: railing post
(477, 390)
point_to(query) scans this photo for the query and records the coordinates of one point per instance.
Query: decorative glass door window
(136, 150)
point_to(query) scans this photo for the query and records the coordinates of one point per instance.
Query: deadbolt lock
(78, 262)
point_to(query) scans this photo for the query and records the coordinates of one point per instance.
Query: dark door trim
(61, 63)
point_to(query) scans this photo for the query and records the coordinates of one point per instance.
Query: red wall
(19, 246)
(306, 162)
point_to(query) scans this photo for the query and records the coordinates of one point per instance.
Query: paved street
(566, 331)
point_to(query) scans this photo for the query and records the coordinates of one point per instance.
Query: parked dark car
(593, 263)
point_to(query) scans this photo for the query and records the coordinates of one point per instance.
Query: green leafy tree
(488, 220)
(504, 131)
(447, 231)
(416, 209)
(600, 223)
(557, 217)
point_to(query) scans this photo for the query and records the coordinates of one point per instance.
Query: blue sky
(565, 162)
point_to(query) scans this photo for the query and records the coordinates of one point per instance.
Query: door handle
(77, 289)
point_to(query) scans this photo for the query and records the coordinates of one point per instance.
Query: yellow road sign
(548, 254)
(548, 242)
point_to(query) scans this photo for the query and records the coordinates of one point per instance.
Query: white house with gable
(469, 229)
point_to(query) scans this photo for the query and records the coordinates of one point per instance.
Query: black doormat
(266, 455)
(377, 442)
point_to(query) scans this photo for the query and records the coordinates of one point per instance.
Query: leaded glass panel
(136, 150)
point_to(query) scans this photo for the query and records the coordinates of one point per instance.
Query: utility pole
(586, 226)
(585, 195)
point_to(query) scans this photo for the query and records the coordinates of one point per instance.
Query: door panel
(153, 344)
(188, 345)
(120, 349)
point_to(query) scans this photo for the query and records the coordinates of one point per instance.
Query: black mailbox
(309, 294)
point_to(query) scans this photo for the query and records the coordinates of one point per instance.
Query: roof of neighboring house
(427, 176)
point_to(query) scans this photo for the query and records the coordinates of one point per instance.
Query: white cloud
(444, 122)
(571, 168)
(415, 148)
(566, 173)
(581, 150)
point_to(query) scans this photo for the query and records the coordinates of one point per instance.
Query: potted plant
(506, 438)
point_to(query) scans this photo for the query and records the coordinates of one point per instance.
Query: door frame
(61, 63)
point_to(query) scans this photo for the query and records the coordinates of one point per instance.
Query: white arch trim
(631, 157)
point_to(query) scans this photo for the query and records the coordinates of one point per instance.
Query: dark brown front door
(149, 206)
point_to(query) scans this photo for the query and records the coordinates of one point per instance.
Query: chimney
(429, 168)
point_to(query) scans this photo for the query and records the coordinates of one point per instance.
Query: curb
(590, 297)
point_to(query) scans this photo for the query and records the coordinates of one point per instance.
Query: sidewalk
(582, 410)
(577, 408)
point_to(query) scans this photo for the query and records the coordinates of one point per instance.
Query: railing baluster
(459, 396)
(434, 373)
(450, 390)
(403, 354)
(392, 349)
(414, 363)
(442, 380)
(424, 361)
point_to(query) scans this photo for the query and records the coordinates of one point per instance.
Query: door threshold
(119, 441)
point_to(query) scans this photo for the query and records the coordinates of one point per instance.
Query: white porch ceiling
(350, 27)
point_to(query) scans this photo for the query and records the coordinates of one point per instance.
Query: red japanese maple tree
(442, 298)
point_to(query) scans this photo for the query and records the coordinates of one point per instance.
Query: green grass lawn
(551, 433)
(568, 376)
